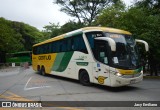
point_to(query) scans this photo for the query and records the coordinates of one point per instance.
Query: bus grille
(131, 76)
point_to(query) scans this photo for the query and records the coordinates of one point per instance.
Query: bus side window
(72, 44)
(35, 50)
(91, 41)
(78, 44)
(58, 46)
(81, 45)
(49, 48)
(44, 49)
(40, 49)
(75, 43)
(64, 46)
(69, 44)
(54, 47)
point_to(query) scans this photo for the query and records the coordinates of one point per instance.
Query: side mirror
(145, 44)
(111, 42)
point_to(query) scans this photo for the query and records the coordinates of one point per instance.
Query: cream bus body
(91, 55)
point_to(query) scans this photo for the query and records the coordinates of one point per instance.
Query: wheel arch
(88, 72)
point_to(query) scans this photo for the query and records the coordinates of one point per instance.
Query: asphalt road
(20, 84)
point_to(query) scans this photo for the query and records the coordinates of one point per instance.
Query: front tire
(84, 78)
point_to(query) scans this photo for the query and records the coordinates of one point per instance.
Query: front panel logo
(101, 79)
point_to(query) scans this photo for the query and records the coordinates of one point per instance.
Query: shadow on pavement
(106, 88)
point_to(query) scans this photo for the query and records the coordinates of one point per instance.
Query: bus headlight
(141, 72)
(118, 74)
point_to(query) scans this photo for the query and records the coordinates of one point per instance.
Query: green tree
(84, 10)
(9, 38)
(152, 10)
(112, 15)
(30, 34)
(53, 30)
(71, 26)
(18, 36)
(138, 20)
(152, 6)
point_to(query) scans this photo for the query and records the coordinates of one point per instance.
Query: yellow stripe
(13, 97)
(50, 40)
(105, 29)
(125, 72)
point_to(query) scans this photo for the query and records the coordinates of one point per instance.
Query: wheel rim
(85, 78)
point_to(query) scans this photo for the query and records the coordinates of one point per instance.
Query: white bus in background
(100, 55)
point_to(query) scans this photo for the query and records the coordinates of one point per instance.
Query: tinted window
(78, 44)
(92, 35)
(99, 47)
(64, 45)
(74, 43)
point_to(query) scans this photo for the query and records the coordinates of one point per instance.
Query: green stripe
(82, 63)
(57, 61)
(63, 63)
(138, 70)
(79, 59)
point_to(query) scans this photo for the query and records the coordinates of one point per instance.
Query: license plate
(133, 81)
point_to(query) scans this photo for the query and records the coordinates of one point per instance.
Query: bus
(19, 57)
(100, 55)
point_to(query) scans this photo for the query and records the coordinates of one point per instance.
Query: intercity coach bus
(100, 55)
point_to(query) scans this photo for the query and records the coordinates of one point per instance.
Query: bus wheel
(84, 78)
(43, 71)
(38, 69)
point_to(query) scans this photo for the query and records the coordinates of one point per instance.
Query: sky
(37, 13)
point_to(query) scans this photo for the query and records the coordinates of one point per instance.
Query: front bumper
(117, 81)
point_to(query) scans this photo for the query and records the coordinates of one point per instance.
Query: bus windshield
(126, 55)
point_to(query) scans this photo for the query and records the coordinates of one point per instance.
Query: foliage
(152, 6)
(54, 30)
(111, 16)
(71, 26)
(17, 36)
(84, 10)
(139, 20)
(9, 37)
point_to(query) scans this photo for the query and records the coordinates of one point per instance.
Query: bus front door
(101, 70)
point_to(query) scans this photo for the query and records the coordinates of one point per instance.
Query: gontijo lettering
(45, 57)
